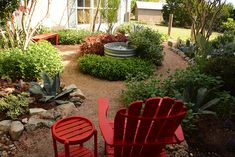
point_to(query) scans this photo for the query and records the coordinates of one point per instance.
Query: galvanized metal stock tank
(119, 50)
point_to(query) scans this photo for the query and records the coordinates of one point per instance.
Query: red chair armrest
(104, 123)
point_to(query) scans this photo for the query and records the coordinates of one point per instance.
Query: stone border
(181, 54)
(11, 130)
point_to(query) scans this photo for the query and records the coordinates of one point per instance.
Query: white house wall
(57, 13)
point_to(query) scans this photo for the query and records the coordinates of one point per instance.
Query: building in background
(149, 12)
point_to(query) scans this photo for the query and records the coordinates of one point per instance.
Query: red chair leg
(95, 143)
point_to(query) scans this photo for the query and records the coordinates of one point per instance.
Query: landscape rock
(49, 114)
(5, 125)
(34, 111)
(24, 120)
(78, 93)
(75, 99)
(73, 86)
(67, 110)
(16, 130)
(35, 123)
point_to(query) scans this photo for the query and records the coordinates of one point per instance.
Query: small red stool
(71, 131)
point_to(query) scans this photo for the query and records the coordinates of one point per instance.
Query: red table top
(73, 129)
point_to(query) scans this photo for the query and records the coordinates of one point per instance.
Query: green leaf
(47, 83)
(65, 92)
(210, 103)
(56, 84)
(36, 89)
(201, 94)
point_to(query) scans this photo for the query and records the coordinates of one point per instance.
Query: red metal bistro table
(73, 131)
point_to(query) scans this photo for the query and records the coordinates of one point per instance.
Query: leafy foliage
(198, 99)
(229, 24)
(114, 69)
(71, 37)
(148, 44)
(14, 105)
(221, 41)
(141, 90)
(110, 13)
(226, 107)
(95, 44)
(19, 64)
(223, 66)
(226, 12)
(176, 8)
(7, 7)
(50, 90)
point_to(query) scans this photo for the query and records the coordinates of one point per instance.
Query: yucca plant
(50, 89)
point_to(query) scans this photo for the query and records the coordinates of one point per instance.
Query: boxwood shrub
(40, 57)
(114, 69)
(71, 36)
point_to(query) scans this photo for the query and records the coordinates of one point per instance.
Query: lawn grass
(182, 33)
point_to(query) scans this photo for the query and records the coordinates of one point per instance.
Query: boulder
(35, 123)
(34, 111)
(65, 110)
(16, 130)
(49, 114)
(78, 93)
(5, 125)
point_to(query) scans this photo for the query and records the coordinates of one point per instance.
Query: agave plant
(50, 89)
(197, 99)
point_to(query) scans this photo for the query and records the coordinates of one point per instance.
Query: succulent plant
(50, 89)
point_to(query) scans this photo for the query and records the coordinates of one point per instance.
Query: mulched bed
(213, 139)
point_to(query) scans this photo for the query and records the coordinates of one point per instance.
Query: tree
(20, 34)
(226, 12)
(109, 13)
(203, 14)
(7, 8)
(176, 8)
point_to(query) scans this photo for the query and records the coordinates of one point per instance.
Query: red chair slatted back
(145, 123)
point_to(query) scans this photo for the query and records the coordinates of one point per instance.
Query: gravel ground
(39, 143)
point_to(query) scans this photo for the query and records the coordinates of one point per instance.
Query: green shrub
(148, 44)
(221, 41)
(15, 105)
(125, 28)
(71, 37)
(141, 90)
(226, 107)
(190, 76)
(114, 69)
(40, 57)
(229, 24)
(223, 66)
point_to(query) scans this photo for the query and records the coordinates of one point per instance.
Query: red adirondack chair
(143, 129)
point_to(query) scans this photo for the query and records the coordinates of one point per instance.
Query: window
(84, 10)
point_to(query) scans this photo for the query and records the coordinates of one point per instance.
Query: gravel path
(39, 143)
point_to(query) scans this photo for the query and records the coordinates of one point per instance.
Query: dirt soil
(39, 143)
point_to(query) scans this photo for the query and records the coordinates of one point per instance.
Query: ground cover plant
(114, 69)
(15, 105)
(95, 44)
(40, 57)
